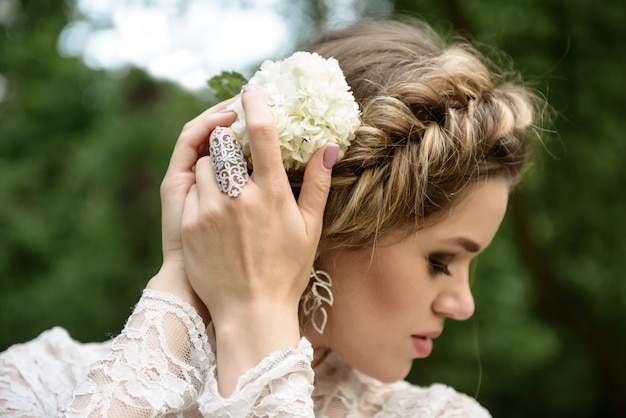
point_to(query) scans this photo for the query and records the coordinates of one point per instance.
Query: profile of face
(391, 300)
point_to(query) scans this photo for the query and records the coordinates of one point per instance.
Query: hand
(248, 258)
(180, 176)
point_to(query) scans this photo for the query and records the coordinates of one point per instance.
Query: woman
(300, 325)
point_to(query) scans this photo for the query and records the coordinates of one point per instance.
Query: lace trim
(279, 386)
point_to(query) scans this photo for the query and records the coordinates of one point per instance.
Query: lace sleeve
(161, 364)
(279, 386)
(157, 365)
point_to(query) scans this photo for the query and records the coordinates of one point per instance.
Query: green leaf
(227, 84)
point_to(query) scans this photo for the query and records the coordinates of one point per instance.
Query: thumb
(316, 186)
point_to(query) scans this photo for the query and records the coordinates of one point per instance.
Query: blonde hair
(436, 119)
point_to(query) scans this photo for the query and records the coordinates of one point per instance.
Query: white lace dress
(162, 364)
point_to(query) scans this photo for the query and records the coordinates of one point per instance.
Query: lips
(431, 335)
(423, 343)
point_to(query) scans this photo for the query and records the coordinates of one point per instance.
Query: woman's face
(391, 301)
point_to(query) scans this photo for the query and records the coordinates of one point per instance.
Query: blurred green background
(82, 153)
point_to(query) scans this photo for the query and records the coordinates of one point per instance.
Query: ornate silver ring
(229, 164)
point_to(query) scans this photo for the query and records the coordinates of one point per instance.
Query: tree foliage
(82, 154)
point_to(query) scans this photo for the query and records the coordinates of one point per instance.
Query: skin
(175, 187)
(244, 262)
(407, 286)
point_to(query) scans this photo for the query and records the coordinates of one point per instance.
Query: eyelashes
(439, 264)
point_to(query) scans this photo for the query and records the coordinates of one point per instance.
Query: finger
(190, 209)
(222, 107)
(315, 188)
(263, 134)
(195, 133)
(205, 180)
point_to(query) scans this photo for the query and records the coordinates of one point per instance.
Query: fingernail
(249, 87)
(227, 110)
(330, 155)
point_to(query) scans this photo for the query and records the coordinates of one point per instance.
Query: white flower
(312, 105)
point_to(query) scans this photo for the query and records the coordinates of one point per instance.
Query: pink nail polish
(330, 155)
(249, 87)
(227, 110)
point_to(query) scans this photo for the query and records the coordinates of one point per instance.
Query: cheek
(388, 288)
(400, 286)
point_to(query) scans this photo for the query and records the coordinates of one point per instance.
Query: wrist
(257, 332)
(172, 279)
(256, 319)
(275, 326)
(244, 339)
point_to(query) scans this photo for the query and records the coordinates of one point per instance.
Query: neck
(319, 354)
(320, 348)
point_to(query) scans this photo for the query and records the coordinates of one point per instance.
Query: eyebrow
(466, 243)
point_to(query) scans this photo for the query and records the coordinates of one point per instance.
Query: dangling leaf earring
(320, 293)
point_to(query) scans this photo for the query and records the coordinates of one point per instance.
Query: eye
(439, 264)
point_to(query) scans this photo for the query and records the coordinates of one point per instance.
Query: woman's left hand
(179, 178)
(248, 257)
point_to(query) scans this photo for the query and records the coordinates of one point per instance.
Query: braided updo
(435, 121)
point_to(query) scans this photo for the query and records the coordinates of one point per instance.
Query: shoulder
(56, 344)
(436, 401)
(40, 374)
(52, 359)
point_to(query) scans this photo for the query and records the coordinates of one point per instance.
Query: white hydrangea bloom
(312, 105)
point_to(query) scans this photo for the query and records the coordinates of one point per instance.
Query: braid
(434, 123)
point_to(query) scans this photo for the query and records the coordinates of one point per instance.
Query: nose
(455, 300)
